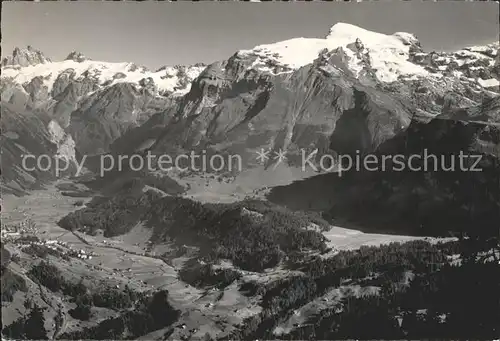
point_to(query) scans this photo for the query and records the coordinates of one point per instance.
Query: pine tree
(34, 326)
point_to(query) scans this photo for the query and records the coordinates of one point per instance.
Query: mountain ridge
(241, 97)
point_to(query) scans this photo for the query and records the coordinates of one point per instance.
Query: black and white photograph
(250, 171)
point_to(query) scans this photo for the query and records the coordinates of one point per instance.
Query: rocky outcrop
(472, 65)
(77, 57)
(13, 93)
(39, 92)
(25, 57)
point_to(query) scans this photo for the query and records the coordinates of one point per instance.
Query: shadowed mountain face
(440, 193)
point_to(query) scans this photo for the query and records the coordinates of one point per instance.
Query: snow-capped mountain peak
(387, 57)
(388, 54)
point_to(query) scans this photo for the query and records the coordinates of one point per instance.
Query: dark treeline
(456, 302)
(255, 235)
(205, 275)
(10, 281)
(30, 327)
(459, 301)
(42, 251)
(152, 313)
(51, 277)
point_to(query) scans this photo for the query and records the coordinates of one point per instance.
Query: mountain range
(352, 89)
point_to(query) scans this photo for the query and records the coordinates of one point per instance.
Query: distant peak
(77, 56)
(341, 29)
(345, 26)
(25, 57)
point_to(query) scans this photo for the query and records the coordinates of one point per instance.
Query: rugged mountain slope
(354, 89)
(328, 297)
(35, 134)
(88, 88)
(258, 270)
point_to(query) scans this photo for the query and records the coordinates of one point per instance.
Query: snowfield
(388, 53)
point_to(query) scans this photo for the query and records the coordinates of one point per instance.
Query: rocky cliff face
(64, 142)
(105, 116)
(25, 57)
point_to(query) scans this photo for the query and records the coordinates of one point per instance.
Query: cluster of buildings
(82, 254)
(62, 248)
(28, 228)
(10, 233)
(14, 231)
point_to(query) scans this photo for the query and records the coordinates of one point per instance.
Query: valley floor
(126, 261)
(118, 263)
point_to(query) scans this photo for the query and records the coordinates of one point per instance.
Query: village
(25, 236)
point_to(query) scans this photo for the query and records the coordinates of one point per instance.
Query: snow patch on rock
(488, 83)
